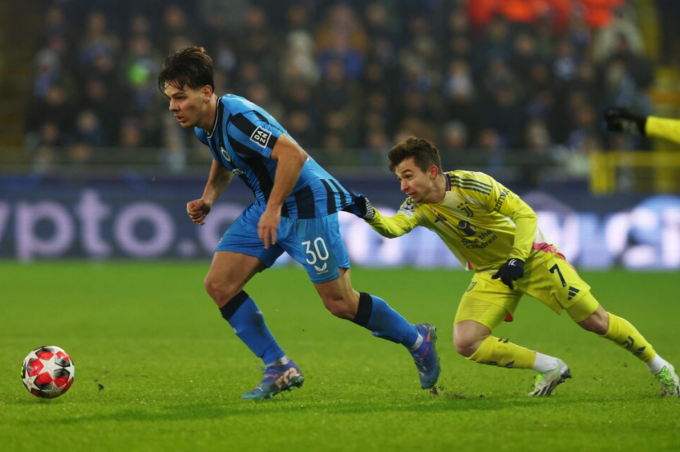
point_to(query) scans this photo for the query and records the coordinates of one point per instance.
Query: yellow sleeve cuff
(668, 129)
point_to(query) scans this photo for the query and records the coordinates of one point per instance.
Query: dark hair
(424, 153)
(190, 67)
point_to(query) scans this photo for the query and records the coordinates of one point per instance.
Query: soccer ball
(48, 372)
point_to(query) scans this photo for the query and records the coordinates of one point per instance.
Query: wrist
(274, 207)
(515, 262)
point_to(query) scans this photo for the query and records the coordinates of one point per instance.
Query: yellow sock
(501, 353)
(624, 333)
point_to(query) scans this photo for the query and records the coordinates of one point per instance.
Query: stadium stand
(485, 79)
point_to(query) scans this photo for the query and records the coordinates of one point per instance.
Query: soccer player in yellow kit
(625, 120)
(495, 234)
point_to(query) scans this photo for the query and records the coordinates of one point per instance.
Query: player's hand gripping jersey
(242, 140)
(482, 222)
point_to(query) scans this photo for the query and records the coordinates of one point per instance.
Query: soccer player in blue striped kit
(295, 210)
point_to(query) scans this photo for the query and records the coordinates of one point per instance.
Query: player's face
(188, 105)
(417, 184)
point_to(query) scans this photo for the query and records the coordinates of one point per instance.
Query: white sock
(657, 364)
(280, 362)
(544, 363)
(418, 343)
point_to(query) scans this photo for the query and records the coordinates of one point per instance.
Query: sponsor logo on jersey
(483, 240)
(466, 228)
(500, 200)
(261, 137)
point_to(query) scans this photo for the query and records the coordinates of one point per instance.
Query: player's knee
(340, 308)
(220, 291)
(466, 345)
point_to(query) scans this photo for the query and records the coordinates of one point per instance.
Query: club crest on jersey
(261, 137)
(225, 154)
(463, 206)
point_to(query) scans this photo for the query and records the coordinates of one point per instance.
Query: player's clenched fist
(197, 210)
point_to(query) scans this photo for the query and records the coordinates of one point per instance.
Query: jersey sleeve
(494, 197)
(668, 129)
(402, 223)
(249, 132)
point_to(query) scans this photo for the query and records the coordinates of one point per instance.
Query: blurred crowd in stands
(482, 79)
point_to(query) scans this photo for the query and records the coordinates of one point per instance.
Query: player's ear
(207, 92)
(434, 172)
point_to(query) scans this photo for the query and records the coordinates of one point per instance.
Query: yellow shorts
(548, 278)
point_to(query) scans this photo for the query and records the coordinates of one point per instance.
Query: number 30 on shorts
(320, 252)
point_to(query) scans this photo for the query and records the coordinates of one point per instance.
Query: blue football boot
(426, 358)
(277, 378)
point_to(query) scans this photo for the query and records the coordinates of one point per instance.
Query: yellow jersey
(483, 223)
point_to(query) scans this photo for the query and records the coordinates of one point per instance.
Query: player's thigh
(242, 238)
(553, 281)
(487, 302)
(231, 271)
(316, 244)
(336, 289)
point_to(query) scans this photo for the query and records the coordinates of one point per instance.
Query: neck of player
(439, 190)
(207, 122)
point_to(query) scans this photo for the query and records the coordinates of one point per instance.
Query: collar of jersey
(217, 117)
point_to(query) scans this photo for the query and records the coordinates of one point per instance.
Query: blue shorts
(315, 243)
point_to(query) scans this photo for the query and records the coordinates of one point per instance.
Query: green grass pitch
(158, 369)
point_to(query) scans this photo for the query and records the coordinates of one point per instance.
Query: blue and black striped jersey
(242, 140)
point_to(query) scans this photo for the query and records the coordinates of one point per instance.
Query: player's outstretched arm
(402, 223)
(219, 179)
(629, 121)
